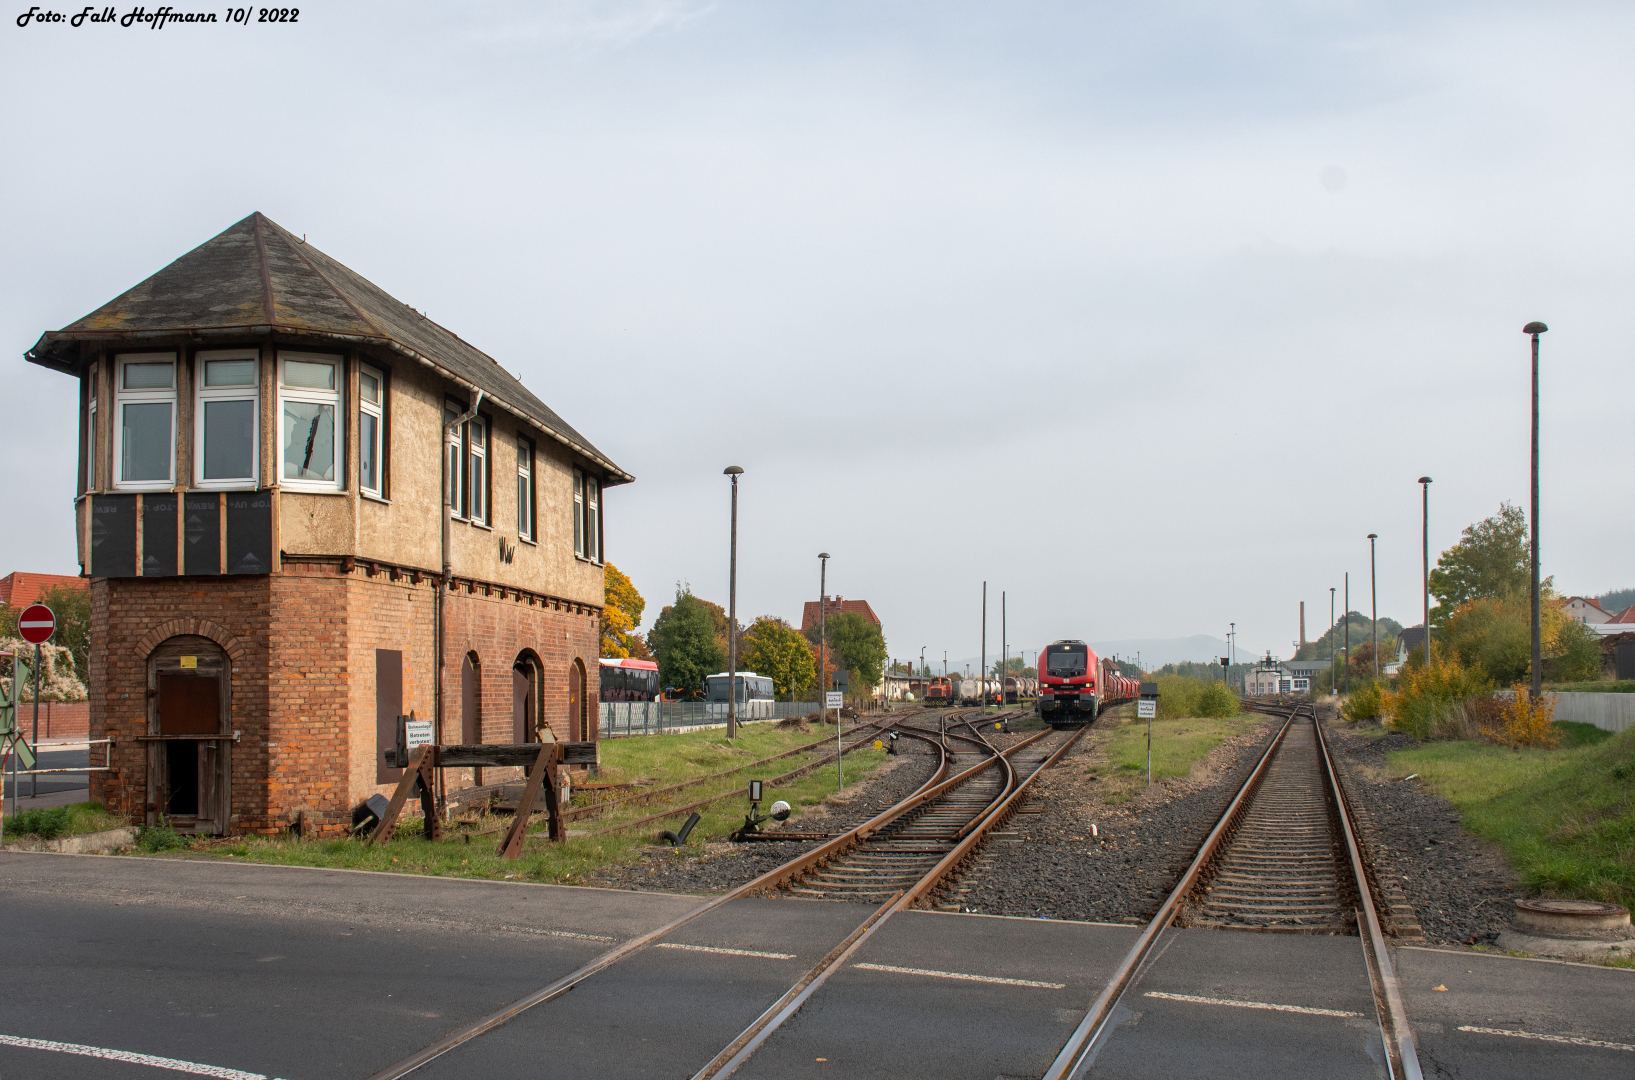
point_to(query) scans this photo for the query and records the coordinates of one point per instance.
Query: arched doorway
(579, 727)
(189, 737)
(527, 682)
(471, 705)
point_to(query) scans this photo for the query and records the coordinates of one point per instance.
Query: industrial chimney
(1302, 624)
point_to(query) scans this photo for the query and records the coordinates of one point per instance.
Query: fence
(622, 718)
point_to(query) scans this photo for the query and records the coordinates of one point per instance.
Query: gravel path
(1460, 887)
(722, 866)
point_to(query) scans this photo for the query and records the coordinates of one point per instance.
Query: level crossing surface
(274, 971)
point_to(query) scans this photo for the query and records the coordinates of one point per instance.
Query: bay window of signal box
(226, 418)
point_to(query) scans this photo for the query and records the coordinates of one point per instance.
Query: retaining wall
(1609, 712)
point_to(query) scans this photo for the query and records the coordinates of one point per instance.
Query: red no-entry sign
(36, 624)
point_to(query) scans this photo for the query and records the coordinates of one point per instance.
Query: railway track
(894, 861)
(1283, 858)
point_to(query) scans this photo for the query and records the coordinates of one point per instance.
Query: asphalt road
(309, 975)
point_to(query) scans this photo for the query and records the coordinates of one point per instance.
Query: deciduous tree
(773, 648)
(683, 640)
(859, 646)
(1490, 561)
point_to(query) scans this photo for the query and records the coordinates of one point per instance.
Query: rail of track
(1283, 858)
(943, 821)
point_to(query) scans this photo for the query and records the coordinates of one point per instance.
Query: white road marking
(1306, 1010)
(1570, 1040)
(725, 952)
(961, 976)
(557, 933)
(173, 1064)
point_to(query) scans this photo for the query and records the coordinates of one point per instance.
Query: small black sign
(113, 536)
(159, 535)
(249, 532)
(1149, 689)
(201, 533)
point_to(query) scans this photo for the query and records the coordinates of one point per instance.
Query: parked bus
(751, 687)
(628, 680)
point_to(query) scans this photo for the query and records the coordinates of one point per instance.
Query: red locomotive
(942, 691)
(1075, 684)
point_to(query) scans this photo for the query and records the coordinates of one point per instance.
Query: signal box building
(265, 440)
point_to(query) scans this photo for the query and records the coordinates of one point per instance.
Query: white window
(226, 419)
(309, 406)
(477, 469)
(578, 513)
(371, 430)
(586, 517)
(593, 522)
(455, 452)
(91, 431)
(525, 488)
(145, 405)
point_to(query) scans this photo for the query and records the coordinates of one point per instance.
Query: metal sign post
(832, 700)
(36, 625)
(1146, 709)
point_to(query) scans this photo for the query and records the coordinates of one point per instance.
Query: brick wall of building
(498, 628)
(130, 617)
(301, 646)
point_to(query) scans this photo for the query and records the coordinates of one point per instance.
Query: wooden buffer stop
(542, 760)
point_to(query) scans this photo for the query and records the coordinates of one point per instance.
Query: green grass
(1565, 817)
(1602, 686)
(664, 758)
(1177, 745)
(59, 821)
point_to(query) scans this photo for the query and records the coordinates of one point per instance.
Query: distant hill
(1617, 600)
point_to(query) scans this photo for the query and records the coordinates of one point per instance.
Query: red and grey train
(1075, 684)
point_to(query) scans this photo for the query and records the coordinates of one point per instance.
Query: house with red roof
(20, 589)
(836, 605)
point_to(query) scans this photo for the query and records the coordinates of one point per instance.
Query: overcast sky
(1147, 314)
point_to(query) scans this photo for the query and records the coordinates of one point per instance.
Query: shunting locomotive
(1075, 684)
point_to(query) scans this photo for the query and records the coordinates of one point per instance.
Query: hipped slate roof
(257, 278)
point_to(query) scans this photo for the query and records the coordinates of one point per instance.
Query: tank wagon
(1019, 689)
(1075, 684)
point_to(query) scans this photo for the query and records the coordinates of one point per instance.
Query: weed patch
(1565, 818)
(59, 821)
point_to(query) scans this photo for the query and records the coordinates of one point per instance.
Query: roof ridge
(295, 249)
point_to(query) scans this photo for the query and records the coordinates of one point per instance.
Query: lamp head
(1534, 328)
(823, 554)
(1372, 535)
(731, 470)
(1424, 479)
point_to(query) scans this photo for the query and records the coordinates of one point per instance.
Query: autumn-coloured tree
(622, 608)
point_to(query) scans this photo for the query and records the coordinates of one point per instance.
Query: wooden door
(189, 747)
(576, 702)
(522, 700)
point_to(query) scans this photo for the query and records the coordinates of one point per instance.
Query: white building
(1586, 611)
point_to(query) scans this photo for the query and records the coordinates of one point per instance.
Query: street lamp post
(1374, 605)
(1332, 651)
(823, 660)
(1535, 329)
(1425, 565)
(1345, 672)
(732, 611)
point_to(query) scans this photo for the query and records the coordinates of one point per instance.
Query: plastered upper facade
(310, 582)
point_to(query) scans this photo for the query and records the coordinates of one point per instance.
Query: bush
(1215, 700)
(160, 837)
(1366, 704)
(46, 824)
(1526, 722)
(1432, 701)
